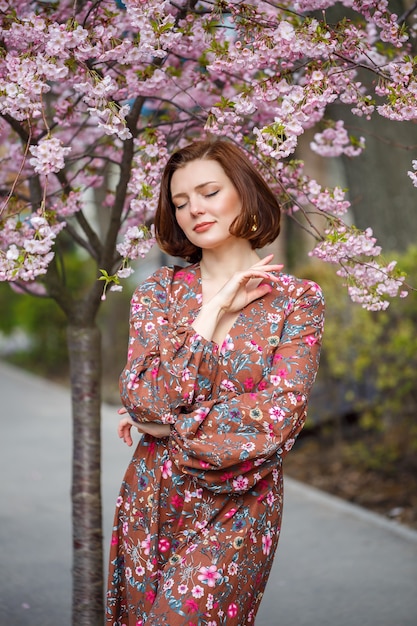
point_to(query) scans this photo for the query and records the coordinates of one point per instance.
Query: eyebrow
(177, 195)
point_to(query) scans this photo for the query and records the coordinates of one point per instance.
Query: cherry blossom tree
(95, 94)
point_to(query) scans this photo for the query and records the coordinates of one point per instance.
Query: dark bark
(84, 346)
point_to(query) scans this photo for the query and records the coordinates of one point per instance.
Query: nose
(196, 206)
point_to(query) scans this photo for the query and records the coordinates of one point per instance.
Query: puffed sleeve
(168, 363)
(231, 442)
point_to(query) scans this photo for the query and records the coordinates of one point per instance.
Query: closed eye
(213, 193)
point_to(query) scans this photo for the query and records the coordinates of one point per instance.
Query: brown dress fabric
(199, 512)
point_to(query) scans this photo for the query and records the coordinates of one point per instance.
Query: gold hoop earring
(254, 224)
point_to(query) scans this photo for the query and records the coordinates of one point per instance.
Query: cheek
(181, 220)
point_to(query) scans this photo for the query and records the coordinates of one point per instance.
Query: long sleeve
(167, 361)
(231, 441)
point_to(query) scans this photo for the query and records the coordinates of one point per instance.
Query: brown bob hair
(259, 204)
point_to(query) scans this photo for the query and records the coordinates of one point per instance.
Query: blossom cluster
(48, 156)
(26, 248)
(413, 174)
(369, 282)
(335, 141)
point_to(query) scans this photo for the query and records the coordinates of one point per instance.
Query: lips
(202, 226)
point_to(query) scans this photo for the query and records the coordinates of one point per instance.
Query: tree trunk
(84, 346)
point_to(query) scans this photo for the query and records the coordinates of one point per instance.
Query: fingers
(265, 266)
(124, 430)
(259, 291)
(251, 273)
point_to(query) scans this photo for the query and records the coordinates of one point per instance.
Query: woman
(222, 356)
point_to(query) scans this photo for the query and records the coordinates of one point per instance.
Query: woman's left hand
(148, 428)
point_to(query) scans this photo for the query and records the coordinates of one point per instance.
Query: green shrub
(371, 360)
(43, 323)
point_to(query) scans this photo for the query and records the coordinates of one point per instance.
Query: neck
(222, 264)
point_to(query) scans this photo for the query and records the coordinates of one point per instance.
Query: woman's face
(206, 203)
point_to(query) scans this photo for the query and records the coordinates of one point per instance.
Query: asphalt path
(336, 565)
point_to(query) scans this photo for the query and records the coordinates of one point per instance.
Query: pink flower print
(270, 498)
(274, 318)
(168, 584)
(227, 345)
(248, 383)
(189, 277)
(310, 340)
(227, 385)
(266, 543)
(167, 469)
(232, 569)
(185, 374)
(246, 466)
(132, 384)
(191, 548)
(282, 373)
(182, 589)
(262, 385)
(164, 545)
(277, 357)
(114, 540)
(177, 501)
(149, 327)
(204, 464)
(209, 575)
(277, 414)
(240, 483)
(197, 591)
(275, 380)
(230, 513)
(146, 544)
(200, 414)
(232, 610)
(150, 596)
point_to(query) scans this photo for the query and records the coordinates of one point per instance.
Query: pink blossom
(49, 156)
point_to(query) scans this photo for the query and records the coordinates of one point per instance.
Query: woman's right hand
(244, 287)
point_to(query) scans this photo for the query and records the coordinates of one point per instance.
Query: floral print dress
(199, 512)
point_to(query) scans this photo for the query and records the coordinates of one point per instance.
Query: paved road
(337, 564)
